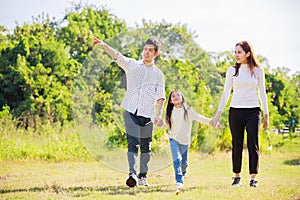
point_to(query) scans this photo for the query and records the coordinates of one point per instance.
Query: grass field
(207, 178)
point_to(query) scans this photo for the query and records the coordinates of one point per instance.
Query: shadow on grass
(295, 162)
(108, 190)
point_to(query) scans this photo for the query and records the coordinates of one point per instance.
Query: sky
(271, 26)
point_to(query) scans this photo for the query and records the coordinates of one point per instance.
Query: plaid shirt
(145, 85)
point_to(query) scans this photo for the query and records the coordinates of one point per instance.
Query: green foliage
(84, 23)
(284, 95)
(224, 142)
(38, 75)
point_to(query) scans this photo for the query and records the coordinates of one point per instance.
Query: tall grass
(56, 142)
(52, 141)
(46, 142)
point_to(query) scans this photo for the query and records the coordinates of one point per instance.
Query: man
(143, 104)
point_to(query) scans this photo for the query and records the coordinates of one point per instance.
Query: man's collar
(142, 62)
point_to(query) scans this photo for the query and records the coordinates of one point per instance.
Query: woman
(247, 79)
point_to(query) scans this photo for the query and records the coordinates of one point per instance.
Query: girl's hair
(171, 105)
(252, 60)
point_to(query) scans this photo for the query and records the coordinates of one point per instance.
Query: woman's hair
(171, 105)
(251, 60)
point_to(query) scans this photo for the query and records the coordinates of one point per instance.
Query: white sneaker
(143, 181)
(179, 185)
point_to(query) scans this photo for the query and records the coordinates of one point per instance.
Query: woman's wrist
(266, 117)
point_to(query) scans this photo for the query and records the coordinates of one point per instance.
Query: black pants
(239, 119)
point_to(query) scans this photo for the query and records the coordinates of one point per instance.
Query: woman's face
(240, 55)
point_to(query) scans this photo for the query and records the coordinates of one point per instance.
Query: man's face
(149, 53)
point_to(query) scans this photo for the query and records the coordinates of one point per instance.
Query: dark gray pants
(239, 120)
(139, 132)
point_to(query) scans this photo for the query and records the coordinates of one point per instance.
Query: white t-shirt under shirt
(247, 90)
(181, 129)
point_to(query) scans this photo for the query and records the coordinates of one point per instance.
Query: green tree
(83, 24)
(295, 108)
(37, 75)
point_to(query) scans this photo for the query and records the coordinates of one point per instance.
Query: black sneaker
(253, 183)
(236, 181)
(132, 180)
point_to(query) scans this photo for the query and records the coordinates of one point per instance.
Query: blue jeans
(180, 162)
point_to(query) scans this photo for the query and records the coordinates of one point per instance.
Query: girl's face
(176, 99)
(240, 55)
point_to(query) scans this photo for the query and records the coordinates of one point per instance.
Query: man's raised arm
(109, 50)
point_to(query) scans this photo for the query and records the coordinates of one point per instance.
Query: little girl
(179, 120)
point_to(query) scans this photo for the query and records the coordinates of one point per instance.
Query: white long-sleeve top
(182, 129)
(247, 90)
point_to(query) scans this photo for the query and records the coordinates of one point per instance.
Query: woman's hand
(214, 121)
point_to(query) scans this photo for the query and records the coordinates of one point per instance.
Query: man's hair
(156, 43)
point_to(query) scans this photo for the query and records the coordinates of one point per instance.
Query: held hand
(214, 121)
(216, 125)
(219, 126)
(158, 122)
